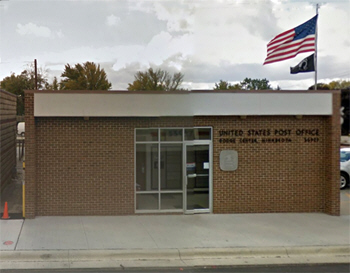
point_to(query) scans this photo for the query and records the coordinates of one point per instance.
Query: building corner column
(332, 192)
(30, 157)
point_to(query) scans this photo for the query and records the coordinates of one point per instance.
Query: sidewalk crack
(19, 234)
(86, 239)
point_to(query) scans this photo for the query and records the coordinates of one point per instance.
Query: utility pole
(36, 75)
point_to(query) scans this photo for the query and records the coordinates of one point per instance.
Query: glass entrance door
(197, 178)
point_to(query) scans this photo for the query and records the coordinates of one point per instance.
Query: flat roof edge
(178, 92)
(177, 116)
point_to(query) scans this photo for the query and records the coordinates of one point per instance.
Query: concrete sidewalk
(174, 240)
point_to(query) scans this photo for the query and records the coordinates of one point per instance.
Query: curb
(130, 258)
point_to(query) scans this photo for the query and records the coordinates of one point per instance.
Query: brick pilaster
(30, 157)
(332, 195)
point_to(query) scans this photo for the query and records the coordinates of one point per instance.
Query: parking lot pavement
(345, 202)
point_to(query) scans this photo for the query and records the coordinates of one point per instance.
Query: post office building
(125, 153)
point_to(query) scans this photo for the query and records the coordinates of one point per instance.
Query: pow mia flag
(306, 65)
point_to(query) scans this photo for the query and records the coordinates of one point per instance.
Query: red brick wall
(86, 167)
(271, 177)
(8, 104)
(30, 161)
(333, 131)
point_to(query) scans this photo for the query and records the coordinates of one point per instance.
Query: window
(171, 134)
(147, 135)
(146, 167)
(198, 134)
(159, 166)
(344, 156)
(171, 166)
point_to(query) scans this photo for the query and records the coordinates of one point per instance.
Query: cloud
(59, 34)
(174, 62)
(38, 31)
(178, 15)
(33, 29)
(205, 40)
(160, 48)
(112, 20)
(142, 6)
(121, 78)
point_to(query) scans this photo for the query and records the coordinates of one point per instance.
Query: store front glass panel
(147, 135)
(146, 167)
(198, 134)
(197, 172)
(171, 134)
(161, 157)
(147, 201)
(171, 166)
(171, 201)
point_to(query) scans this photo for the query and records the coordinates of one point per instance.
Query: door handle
(192, 175)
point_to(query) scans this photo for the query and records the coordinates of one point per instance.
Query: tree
(54, 85)
(224, 85)
(344, 86)
(336, 85)
(255, 84)
(87, 76)
(158, 80)
(345, 103)
(16, 84)
(320, 86)
(333, 85)
(246, 84)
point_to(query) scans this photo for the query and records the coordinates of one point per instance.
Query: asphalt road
(312, 268)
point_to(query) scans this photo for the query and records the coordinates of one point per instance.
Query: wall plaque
(228, 160)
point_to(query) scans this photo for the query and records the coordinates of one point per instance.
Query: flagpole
(315, 56)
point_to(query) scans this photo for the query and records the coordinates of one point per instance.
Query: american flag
(292, 42)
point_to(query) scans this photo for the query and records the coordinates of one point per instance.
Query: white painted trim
(182, 104)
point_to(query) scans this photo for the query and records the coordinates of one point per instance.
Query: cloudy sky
(206, 40)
